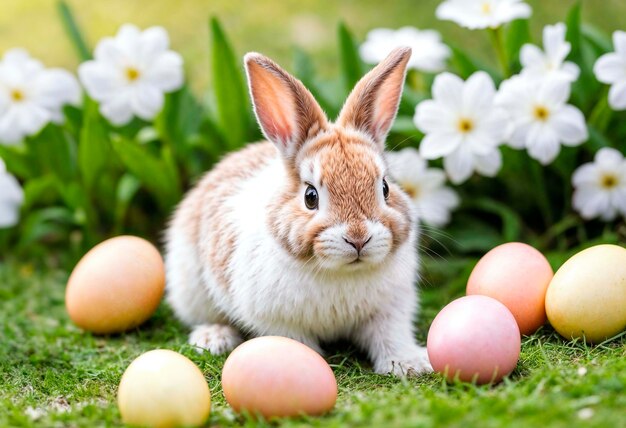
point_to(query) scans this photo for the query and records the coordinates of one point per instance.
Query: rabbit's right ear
(286, 111)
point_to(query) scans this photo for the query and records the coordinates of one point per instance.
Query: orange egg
(518, 276)
(278, 377)
(116, 286)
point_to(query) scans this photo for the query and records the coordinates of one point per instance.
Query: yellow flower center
(608, 181)
(486, 8)
(17, 95)
(411, 189)
(465, 125)
(541, 113)
(132, 74)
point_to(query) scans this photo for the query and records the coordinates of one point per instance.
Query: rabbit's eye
(385, 189)
(311, 200)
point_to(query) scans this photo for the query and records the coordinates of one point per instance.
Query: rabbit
(303, 235)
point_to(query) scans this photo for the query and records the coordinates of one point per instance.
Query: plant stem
(498, 44)
(539, 181)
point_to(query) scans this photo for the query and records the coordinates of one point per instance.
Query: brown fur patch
(205, 206)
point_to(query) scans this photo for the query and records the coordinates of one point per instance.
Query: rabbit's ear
(373, 104)
(285, 109)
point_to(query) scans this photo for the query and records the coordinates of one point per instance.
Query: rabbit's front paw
(415, 364)
(215, 338)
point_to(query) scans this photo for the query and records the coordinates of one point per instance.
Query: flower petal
(11, 198)
(531, 55)
(432, 116)
(489, 165)
(459, 165)
(439, 144)
(543, 144)
(609, 157)
(610, 68)
(448, 90)
(585, 174)
(617, 95)
(478, 93)
(117, 109)
(166, 72)
(569, 124)
(146, 101)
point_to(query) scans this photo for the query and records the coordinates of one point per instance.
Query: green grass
(53, 374)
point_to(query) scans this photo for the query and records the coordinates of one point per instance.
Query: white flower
(541, 119)
(11, 198)
(431, 199)
(611, 68)
(462, 126)
(474, 14)
(600, 186)
(31, 96)
(538, 63)
(429, 52)
(131, 72)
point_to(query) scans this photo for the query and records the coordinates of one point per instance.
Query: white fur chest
(272, 293)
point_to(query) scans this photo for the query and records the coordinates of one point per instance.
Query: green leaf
(126, 190)
(517, 34)
(511, 221)
(73, 31)
(19, 162)
(597, 38)
(305, 71)
(153, 172)
(179, 120)
(38, 190)
(231, 97)
(94, 148)
(573, 35)
(48, 223)
(465, 65)
(351, 65)
(55, 152)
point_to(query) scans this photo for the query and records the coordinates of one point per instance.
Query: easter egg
(474, 338)
(163, 388)
(116, 286)
(278, 377)
(516, 275)
(587, 296)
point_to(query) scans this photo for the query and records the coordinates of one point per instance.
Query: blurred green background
(272, 27)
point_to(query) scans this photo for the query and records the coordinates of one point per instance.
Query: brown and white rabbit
(303, 236)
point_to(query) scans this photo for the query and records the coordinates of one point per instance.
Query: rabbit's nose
(358, 244)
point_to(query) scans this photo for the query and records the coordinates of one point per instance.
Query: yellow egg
(278, 377)
(163, 388)
(116, 286)
(587, 296)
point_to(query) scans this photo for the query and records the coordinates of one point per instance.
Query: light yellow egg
(587, 296)
(163, 389)
(116, 286)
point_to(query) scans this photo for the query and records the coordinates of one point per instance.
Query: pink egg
(278, 377)
(474, 338)
(517, 275)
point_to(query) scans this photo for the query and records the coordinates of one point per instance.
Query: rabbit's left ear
(373, 104)
(287, 112)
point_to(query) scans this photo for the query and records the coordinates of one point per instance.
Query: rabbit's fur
(246, 254)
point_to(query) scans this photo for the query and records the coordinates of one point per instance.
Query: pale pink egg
(278, 377)
(518, 276)
(475, 338)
